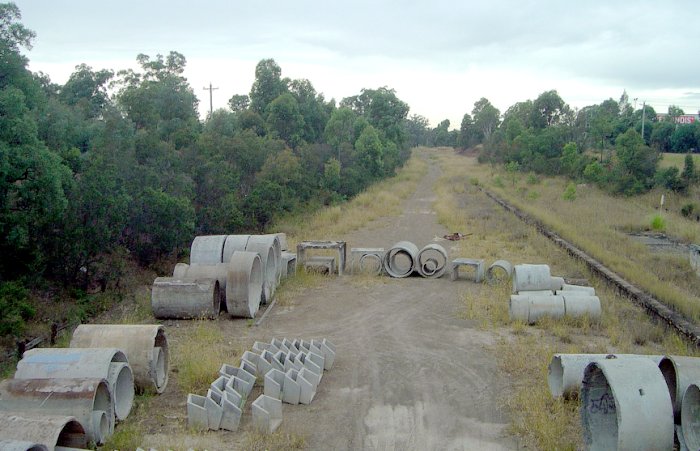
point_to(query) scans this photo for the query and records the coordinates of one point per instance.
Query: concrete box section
(267, 414)
(178, 299)
(49, 430)
(477, 264)
(339, 246)
(145, 346)
(207, 249)
(626, 406)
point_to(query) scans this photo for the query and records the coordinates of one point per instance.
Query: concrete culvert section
(234, 243)
(267, 260)
(203, 271)
(432, 261)
(21, 445)
(625, 406)
(579, 303)
(690, 417)
(529, 308)
(401, 259)
(499, 271)
(50, 430)
(103, 363)
(145, 345)
(244, 290)
(528, 277)
(679, 373)
(88, 400)
(181, 299)
(207, 249)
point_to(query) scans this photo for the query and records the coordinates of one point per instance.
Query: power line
(211, 98)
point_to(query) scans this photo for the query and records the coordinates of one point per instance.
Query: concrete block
(234, 396)
(318, 359)
(260, 346)
(290, 346)
(229, 371)
(279, 344)
(219, 385)
(310, 376)
(267, 414)
(252, 358)
(197, 412)
(249, 367)
(274, 383)
(477, 264)
(312, 367)
(231, 418)
(268, 361)
(293, 363)
(362, 257)
(328, 350)
(240, 386)
(289, 264)
(281, 357)
(214, 410)
(295, 381)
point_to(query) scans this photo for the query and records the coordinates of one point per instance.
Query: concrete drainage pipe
(88, 400)
(432, 261)
(244, 289)
(103, 363)
(565, 371)
(269, 268)
(679, 373)
(234, 243)
(529, 308)
(145, 345)
(50, 430)
(626, 406)
(690, 420)
(534, 277)
(201, 271)
(207, 249)
(21, 445)
(499, 271)
(273, 241)
(401, 259)
(566, 288)
(181, 299)
(578, 303)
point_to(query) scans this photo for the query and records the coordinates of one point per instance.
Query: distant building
(682, 119)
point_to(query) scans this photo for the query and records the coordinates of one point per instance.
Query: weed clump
(658, 223)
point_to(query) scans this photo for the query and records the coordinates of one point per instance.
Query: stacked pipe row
(536, 294)
(72, 396)
(291, 371)
(404, 258)
(632, 401)
(231, 273)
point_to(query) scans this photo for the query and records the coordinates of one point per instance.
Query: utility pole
(644, 111)
(211, 103)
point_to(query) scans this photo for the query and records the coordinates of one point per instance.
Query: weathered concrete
(289, 264)
(432, 261)
(145, 346)
(320, 264)
(327, 350)
(360, 256)
(205, 271)
(102, 363)
(579, 303)
(231, 417)
(500, 270)
(88, 400)
(215, 411)
(298, 389)
(528, 277)
(273, 241)
(197, 417)
(267, 414)
(274, 383)
(528, 308)
(626, 406)
(401, 259)
(269, 268)
(207, 249)
(477, 264)
(339, 246)
(49, 430)
(690, 417)
(233, 244)
(576, 288)
(21, 445)
(178, 299)
(244, 290)
(238, 379)
(679, 372)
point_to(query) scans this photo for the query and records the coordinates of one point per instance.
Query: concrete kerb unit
(626, 406)
(178, 299)
(145, 346)
(477, 264)
(244, 290)
(207, 249)
(49, 430)
(500, 270)
(679, 373)
(267, 414)
(88, 400)
(197, 412)
(431, 261)
(401, 259)
(360, 256)
(527, 277)
(21, 445)
(690, 417)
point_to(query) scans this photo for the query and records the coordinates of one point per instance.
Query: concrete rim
(122, 389)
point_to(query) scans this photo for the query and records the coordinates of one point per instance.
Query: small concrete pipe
(267, 259)
(179, 299)
(565, 371)
(21, 445)
(527, 308)
(145, 346)
(401, 259)
(500, 270)
(207, 249)
(690, 416)
(234, 243)
(432, 261)
(74, 363)
(579, 303)
(50, 430)
(180, 271)
(566, 288)
(534, 277)
(244, 289)
(88, 400)
(626, 406)
(679, 372)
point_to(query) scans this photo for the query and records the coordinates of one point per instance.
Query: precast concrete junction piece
(339, 246)
(401, 259)
(180, 299)
(431, 261)
(52, 431)
(477, 264)
(362, 257)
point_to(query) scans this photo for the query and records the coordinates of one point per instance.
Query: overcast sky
(439, 56)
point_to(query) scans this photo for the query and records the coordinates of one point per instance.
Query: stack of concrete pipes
(69, 397)
(231, 273)
(536, 294)
(404, 258)
(291, 371)
(632, 401)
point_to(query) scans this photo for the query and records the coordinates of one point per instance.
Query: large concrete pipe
(679, 372)
(88, 400)
(534, 277)
(274, 242)
(579, 303)
(245, 284)
(180, 299)
(282, 237)
(431, 261)
(49, 430)
(626, 406)
(690, 416)
(234, 243)
(202, 271)
(528, 308)
(565, 371)
(401, 259)
(21, 445)
(207, 249)
(145, 346)
(73, 363)
(500, 270)
(267, 260)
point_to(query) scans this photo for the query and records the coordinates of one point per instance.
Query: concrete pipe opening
(200, 271)
(499, 272)
(234, 243)
(21, 445)
(185, 299)
(690, 416)
(274, 240)
(100, 427)
(432, 261)
(371, 264)
(401, 259)
(122, 389)
(679, 373)
(530, 308)
(207, 249)
(50, 430)
(246, 284)
(145, 345)
(269, 269)
(625, 406)
(578, 303)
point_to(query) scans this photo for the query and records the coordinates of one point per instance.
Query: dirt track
(409, 374)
